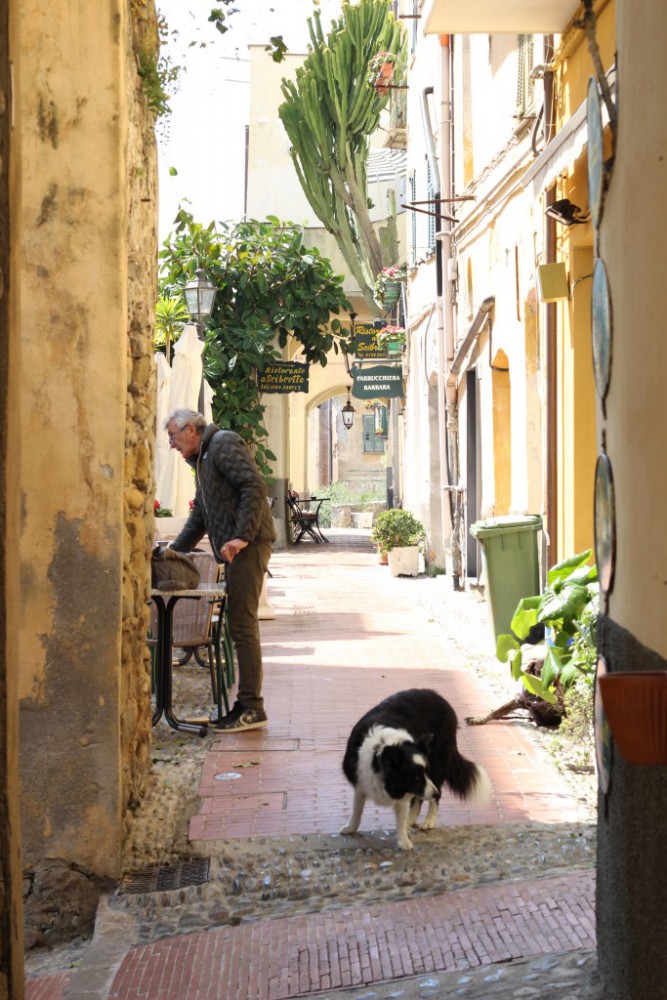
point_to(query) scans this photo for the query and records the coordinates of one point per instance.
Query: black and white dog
(401, 753)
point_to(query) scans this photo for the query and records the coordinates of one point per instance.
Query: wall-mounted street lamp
(199, 297)
(348, 412)
(567, 213)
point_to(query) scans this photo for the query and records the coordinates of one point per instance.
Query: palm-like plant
(171, 315)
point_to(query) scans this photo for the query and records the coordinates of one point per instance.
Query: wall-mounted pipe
(482, 317)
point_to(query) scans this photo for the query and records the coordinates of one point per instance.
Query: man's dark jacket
(230, 498)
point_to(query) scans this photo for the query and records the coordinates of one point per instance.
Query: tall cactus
(329, 113)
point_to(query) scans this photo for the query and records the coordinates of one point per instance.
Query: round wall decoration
(601, 323)
(605, 523)
(603, 741)
(596, 167)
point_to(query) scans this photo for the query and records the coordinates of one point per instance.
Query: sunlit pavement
(346, 634)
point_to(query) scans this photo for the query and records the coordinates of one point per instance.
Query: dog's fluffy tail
(467, 780)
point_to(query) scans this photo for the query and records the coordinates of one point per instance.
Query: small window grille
(413, 220)
(525, 102)
(430, 242)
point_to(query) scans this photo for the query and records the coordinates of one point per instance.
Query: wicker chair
(200, 629)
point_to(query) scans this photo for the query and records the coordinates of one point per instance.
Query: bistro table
(165, 602)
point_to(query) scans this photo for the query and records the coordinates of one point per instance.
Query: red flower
(156, 505)
(191, 504)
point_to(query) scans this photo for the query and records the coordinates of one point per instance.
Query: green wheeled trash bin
(510, 561)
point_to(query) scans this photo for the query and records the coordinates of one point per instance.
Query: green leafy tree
(329, 113)
(271, 290)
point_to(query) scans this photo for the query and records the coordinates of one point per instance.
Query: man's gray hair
(183, 417)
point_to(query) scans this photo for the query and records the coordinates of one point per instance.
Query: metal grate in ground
(163, 878)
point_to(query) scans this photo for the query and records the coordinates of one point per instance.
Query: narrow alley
(499, 899)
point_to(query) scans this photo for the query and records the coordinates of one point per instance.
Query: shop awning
(526, 17)
(560, 155)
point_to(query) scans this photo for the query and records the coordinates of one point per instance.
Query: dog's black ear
(424, 742)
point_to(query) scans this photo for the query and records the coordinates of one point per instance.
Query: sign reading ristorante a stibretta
(283, 376)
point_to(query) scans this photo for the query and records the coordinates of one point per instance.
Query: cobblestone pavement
(487, 905)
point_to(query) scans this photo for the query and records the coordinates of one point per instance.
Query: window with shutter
(371, 442)
(525, 102)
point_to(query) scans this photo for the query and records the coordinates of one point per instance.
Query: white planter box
(404, 561)
(363, 519)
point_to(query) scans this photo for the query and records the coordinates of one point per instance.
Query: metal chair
(302, 519)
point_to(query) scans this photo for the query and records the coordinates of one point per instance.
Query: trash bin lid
(506, 524)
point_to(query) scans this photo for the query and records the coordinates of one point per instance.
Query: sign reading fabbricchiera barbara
(283, 376)
(379, 381)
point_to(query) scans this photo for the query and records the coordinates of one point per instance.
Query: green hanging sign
(366, 347)
(283, 376)
(380, 381)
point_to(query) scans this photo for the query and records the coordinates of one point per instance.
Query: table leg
(159, 661)
(163, 699)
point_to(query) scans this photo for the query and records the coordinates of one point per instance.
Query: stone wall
(140, 419)
(86, 265)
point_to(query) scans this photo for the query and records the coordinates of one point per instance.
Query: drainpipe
(551, 498)
(440, 179)
(482, 317)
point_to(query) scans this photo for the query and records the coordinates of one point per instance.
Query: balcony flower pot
(391, 293)
(387, 287)
(635, 706)
(381, 70)
(392, 339)
(404, 560)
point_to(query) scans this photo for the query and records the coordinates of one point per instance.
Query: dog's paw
(405, 844)
(348, 828)
(428, 824)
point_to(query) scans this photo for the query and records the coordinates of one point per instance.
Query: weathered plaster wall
(11, 883)
(87, 273)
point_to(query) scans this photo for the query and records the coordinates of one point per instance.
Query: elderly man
(231, 507)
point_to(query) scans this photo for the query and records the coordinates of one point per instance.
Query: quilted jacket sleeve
(193, 530)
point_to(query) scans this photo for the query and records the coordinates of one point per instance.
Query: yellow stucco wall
(576, 400)
(84, 260)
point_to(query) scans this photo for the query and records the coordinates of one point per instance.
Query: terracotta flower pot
(385, 74)
(635, 706)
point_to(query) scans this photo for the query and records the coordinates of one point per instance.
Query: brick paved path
(346, 634)
(295, 956)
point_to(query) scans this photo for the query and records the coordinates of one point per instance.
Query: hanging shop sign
(380, 381)
(366, 347)
(283, 376)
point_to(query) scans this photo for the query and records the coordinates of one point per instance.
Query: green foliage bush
(339, 493)
(271, 290)
(568, 608)
(395, 528)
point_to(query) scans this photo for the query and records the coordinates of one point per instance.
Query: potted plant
(392, 339)
(381, 70)
(387, 287)
(160, 511)
(572, 587)
(399, 533)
